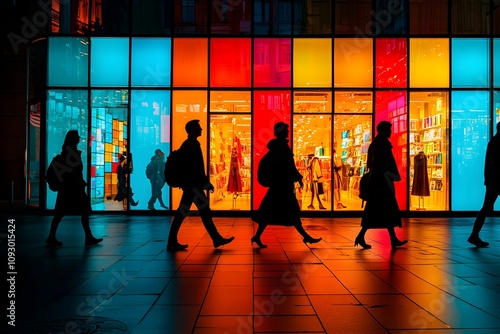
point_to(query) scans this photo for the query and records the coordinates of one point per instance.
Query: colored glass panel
(68, 17)
(190, 63)
(68, 61)
(392, 106)
(391, 62)
(354, 17)
(149, 131)
(230, 62)
(272, 17)
(429, 56)
(429, 17)
(109, 62)
(312, 62)
(470, 129)
(353, 62)
(389, 18)
(496, 62)
(270, 107)
(272, 62)
(470, 63)
(66, 110)
(151, 62)
(186, 106)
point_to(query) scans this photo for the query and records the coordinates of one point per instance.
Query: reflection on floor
(437, 283)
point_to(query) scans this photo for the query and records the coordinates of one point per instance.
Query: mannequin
(420, 186)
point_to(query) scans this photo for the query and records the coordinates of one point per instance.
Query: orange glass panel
(190, 63)
(353, 62)
(312, 62)
(429, 56)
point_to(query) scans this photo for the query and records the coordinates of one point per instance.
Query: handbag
(320, 188)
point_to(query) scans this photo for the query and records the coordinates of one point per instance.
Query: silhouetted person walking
(492, 183)
(280, 205)
(381, 210)
(155, 173)
(71, 196)
(193, 190)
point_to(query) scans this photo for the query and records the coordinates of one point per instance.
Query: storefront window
(190, 62)
(68, 61)
(470, 129)
(312, 147)
(71, 17)
(496, 62)
(353, 17)
(470, 17)
(353, 62)
(353, 102)
(191, 17)
(352, 137)
(270, 107)
(312, 62)
(186, 106)
(428, 144)
(231, 17)
(429, 55)
(392, 106)
(470, 63)
(108, 141)
(272, 17)
(496, 106)
(151, 62)
(312, 17)
(391, 62)
(152, 17)
(66, 110)
(316, 101)
(429, 17)
(149, 132)
(109, 62)
(272, 62)
(230, 62)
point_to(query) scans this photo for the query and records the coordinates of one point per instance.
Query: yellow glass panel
(108, 157)
(429, 62)
(312, 62)
(353, 62)
(108, 147)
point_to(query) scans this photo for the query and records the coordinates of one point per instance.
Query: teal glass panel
(151, 59)
(470, 63)
(109, 62)
(66, 110)
(496, 110)
(149, 131)
(470, 129)
(496, 62)
(68, 61)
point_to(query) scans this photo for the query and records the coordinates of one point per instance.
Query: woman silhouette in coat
(381, 210)
(280, 206)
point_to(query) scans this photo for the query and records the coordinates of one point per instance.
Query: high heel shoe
(341, 206)
(311, 207)
(311, 240)
(258, 242)
(395, 243)
(362, 243)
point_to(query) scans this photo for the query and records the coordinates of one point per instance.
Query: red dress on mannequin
(234, 177)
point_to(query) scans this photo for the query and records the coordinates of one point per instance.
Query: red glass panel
(230, 62)
(391, 62)
(270, 107)
(392, 106)
(272, 62)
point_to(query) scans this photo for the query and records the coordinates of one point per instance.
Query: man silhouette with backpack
(194, 185)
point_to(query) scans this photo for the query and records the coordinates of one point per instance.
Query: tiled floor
(437, 283)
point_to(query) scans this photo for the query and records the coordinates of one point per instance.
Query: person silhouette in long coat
(381, 210)
(280, 206)
(195, 182)
(71, 196)
(492, 183)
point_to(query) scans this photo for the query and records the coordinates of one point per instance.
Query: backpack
(150, 170)
(264, 170)
(364, 187)
(174, 170)
(54, 174)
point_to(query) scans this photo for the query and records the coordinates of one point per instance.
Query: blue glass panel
(151, 59)
(470, 62)
(496, 62)
(470, 129)
(109, 62)
(68, 62)
(108, 167)
(149, 131)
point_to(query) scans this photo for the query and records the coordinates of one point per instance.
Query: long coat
(492, 164)
(280, 206)
(420, 186)
(381, 210)
(72, 198)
